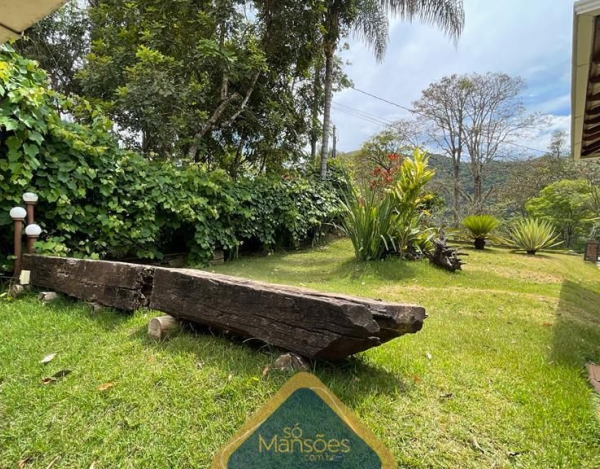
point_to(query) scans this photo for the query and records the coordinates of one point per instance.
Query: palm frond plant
(369, 21)
(480, 227)
(532, 235)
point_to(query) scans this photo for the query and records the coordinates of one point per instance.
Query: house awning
(585, 107)
(18, 15)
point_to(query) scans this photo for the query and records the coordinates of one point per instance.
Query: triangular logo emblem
(304, 426)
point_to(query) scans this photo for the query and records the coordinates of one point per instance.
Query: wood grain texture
(115, 284)
(310, 323)
(313, 324)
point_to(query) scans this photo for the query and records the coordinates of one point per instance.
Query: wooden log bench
(310, 323)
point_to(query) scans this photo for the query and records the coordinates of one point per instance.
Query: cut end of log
(48, 296)
(16, 291)
(162, 327)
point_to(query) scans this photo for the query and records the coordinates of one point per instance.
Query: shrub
(391, 221)
(100, 200)
(370, 222)
(480, 227)
(532, 235)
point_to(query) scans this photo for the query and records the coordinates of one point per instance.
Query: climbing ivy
(100, 200)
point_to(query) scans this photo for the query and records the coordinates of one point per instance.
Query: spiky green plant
(480, 227)
(370, 221)
(392, 222)
(532, 235)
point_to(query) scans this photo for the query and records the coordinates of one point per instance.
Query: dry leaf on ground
(106, 386)
(56, 376)
(47, 358)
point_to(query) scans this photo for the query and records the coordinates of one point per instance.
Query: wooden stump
(16, 291)
(445, 257)
(162, 327)
(48, 296)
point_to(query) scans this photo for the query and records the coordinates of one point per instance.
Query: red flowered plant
(384, 177)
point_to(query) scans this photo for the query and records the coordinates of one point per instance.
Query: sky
(527, 38)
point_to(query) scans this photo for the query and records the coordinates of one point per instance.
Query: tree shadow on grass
(108, 319)
(389, 269)
(352, 379)
(576, 338)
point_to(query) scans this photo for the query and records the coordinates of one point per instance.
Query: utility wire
(385, 100)
(364, 113)
(357, 115)
(413, 111)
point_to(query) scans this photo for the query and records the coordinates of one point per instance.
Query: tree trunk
(329, 58)
(456, 176)
(457, 156)
(477, 190)
(314, 136)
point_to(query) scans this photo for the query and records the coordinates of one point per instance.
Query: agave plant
(480, 227)
(532, 235)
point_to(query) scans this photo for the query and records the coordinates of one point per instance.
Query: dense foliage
(234, 84)
(568, 206)
(393, 220)
(99, 200)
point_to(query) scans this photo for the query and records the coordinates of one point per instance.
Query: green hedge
(99, 200)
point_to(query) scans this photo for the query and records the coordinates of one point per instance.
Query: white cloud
(530, 39)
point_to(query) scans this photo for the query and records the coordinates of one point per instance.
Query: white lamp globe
(18, 213)
(33, 230)
(30, 197)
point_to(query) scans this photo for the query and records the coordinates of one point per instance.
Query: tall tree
(368, 20)
(442, 108)
(567, 204)
(475, 116)
(60, 43)
(203, 81)
(558, 144)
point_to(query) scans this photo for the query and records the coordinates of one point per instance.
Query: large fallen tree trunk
(313, 324)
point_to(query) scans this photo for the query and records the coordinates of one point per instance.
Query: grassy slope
(507, 339)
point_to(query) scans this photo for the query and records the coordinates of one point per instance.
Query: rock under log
(114, 284)
(312, 324)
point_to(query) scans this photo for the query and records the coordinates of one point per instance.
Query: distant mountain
(497, 174)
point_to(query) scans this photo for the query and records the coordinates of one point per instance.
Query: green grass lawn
(495, 379)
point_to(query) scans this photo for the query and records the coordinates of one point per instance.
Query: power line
(385, 100)
(526, 147)
(353, 113)
(364, 113)
(413, 111)
(363, 118)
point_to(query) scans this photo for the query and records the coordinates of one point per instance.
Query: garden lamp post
(18, 215)
(33, 232)
(30, 200)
